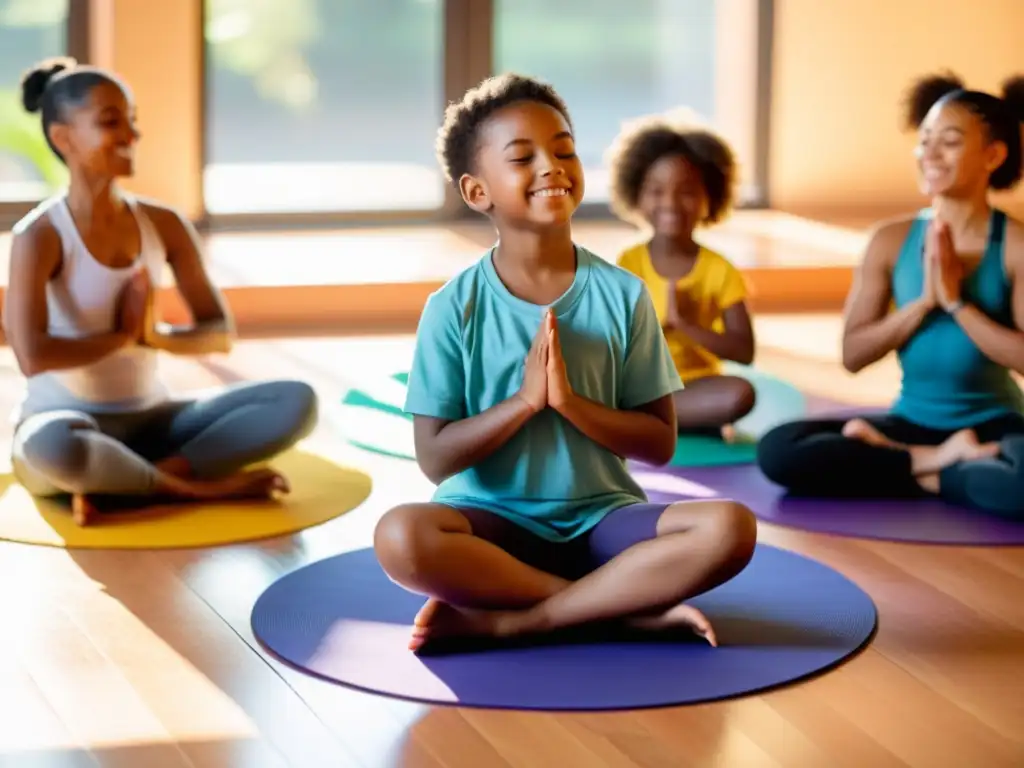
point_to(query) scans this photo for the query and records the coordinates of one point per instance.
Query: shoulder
(716, 262)
(885, 239)
(1013, 251)
(633, 257)
(164, 217)
(35, 233)
(614, 277)
(454, 301)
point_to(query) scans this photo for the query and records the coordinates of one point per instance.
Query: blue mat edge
(853, 654)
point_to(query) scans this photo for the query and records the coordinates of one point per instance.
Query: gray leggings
(74, 452)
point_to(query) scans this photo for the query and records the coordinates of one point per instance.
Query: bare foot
(859, 429)
(250, 484)
(260, 483)
(437, 620)
(83, 511)
(960, 446)
(678, 617)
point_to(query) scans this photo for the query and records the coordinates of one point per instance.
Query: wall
(157, 48)
(839, 70)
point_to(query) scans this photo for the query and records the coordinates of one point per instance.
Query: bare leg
(713, 402)
(474, 588)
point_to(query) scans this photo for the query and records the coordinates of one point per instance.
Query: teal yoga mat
(375, 422)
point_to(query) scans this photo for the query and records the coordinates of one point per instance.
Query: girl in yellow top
(669, 180)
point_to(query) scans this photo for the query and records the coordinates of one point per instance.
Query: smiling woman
(79, 315)
(944, 289)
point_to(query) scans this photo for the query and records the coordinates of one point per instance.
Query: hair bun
(1013, 95)
(924, 93)
(34, 82)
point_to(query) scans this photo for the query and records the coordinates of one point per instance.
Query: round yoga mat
(374, 421)
(924, 521)
(784, 618)
(320, 491)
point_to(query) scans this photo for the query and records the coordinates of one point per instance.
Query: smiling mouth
(550, 192)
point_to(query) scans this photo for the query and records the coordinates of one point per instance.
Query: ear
(995, 155)
(60, 137)
(474, 192)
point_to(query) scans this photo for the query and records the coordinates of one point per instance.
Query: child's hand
(559, 390)
(534, 390)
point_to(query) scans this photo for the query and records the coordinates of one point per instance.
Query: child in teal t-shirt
(538, 371)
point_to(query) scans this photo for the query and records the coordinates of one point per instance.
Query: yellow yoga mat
(320, 491)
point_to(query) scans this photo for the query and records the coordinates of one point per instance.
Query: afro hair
(457, 138)
(649, 139)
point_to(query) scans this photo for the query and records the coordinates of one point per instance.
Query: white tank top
(82, 300)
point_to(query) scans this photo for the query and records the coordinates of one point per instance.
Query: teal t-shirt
(471, 347)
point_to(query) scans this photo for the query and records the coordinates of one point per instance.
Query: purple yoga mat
(925, 521)
(784, 618)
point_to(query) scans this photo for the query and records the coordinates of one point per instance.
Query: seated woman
(954, 274)
(95, 418)
(670, 180)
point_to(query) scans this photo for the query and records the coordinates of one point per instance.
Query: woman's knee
(407, 539)
(300, 406)
(58, 450)
(775, 452)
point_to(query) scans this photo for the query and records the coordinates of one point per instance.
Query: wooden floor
(141, 659)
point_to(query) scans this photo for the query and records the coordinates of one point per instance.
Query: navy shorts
(573, 559)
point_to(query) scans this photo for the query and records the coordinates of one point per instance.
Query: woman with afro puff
(670, 179)
(944, 289)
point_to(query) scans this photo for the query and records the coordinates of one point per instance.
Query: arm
(213, 329)
(646, 433)
(870, 332)
(447, 441)
(735, 343)
(445, 448)
(643, 427)
(1001, 345)
(35, 259)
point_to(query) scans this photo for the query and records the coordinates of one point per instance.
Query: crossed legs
(194, 450)
(475, 587)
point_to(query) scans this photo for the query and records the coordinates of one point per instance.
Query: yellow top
(710, 288)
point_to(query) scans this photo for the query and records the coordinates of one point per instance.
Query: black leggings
(813, 458)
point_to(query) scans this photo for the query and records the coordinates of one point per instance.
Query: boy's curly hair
(642, 144)
(456, 144)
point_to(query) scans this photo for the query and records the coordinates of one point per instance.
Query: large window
(332, 106)
(613, 61)
(323, 105)
(30, 30)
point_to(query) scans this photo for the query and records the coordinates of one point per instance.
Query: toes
(426, 614)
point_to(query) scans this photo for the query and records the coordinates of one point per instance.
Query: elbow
(661, 451)
(430, 467)
(852, 362)
(746, 356)
(28, 358)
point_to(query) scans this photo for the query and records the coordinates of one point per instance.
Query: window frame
(468, 51)
(77, 36)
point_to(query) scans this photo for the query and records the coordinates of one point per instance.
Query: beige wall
(156, 46)
(840, 68)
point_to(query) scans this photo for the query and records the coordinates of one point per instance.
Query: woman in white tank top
(96, 420)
